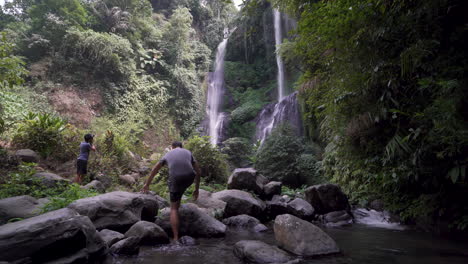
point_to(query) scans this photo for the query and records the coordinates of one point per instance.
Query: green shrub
(212, 162)
(238, 151)
(72, 193)
(279, 156)
(309, 170)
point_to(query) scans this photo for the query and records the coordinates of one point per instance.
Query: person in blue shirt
(82, 162)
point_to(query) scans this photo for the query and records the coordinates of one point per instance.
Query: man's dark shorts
(82, 167)
(178, 185)
(176, 196)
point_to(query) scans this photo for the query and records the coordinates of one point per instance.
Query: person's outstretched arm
(197, 180)
(150, 179)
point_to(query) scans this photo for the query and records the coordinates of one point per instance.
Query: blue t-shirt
(85, 148)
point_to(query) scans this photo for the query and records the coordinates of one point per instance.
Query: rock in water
(19, 207)
(193, 222)
(58, 235)
(336, 219)
(300, 208)
(213, 206)
(302, 238)
(247, 179)
(245, 221)
(148, 233)
(272, 188)
(327, 198)
(253, 251)
(187, 241)
(27, 155)
(240, 202)
(110, 237)
(117, 210)
(128, 246)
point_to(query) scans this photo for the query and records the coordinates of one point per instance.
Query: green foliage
(298, 192)
(20, 182)
(72, 193)
(310, 170)
(12, 68)
(238, 151)
(212, 162)
(279, 155)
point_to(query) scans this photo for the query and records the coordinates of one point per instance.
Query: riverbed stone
(301, 208)
(272, 188)
(117, 210)
(187, 241)
(111, 237)
(254, 251)
(212, 205)
(302, 238)
(336, 219)
(246, 179)
(277, 206)
(240, 202)
(95, 185)
(128, 246)
(50, 180)
(57, 235)
(19, 207)
(193, 222)
(327, 198)
(245, 221)
(27, 155)
(377, 205)
(148, 233)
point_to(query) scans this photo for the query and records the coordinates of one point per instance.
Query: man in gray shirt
(183, 171)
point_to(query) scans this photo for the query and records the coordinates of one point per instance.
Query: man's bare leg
(78, 179)
(175, 219)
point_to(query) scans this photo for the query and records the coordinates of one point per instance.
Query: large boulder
(245, 221)
(27, 155)
(111, 237)
(127, 246)
(212, 206)
(284, 205)
(95, 185)
(302, 238)
(272, 188)
(193, 222)
(277, 206)
(247, 179)
(58, 235)
(148, 233)
(19, 207)
(327, 198)
(117, 210)
(254, 251)
(301, 208)
(336, 219)
(240, 202)
(50, 179)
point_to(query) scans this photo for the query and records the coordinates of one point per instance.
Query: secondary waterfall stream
(215, 94)
(279, 60)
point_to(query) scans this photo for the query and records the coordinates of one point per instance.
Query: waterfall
(216, 119)
(375, 219)
(279, 60)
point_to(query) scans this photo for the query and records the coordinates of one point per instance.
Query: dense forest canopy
(382, 87)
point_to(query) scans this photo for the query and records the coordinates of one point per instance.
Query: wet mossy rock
(210, 205)
(128, 246)
(254, 251)
(302, 238)
(327, 198)
(63, 236)
(148, 233)
(117, 210)
(247, 179)
(111, 237)
(245, 222)
(240, 202)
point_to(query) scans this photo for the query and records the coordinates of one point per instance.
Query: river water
(359, 244)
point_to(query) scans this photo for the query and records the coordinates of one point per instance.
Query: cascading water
(279, 60)
(215, 94)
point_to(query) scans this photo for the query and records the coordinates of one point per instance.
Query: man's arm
(197, 180)
(150, 179)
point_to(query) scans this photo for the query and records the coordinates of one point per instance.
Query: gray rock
(27, 155)
(144, 170)
(245, 221)
(214, 206)
(240, 202)
(117, 210)
(336, 219)
(246, 179)
(272, 188)
(253, 251)
(61, 234)
(377, 205)
(19, 207)
(96, 185)
(128, 246)
(300, 208)
(148, 233)
(127, 179)
(188, 241)
(302, 238)
(106, 180)
(277, 206)
(111, 237)
(49, 179)
(193, 222)
(327, 198)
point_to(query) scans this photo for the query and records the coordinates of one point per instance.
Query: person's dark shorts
(175, 196)
(82, 167)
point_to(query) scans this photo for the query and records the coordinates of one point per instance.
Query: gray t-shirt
(85, 148)
(181, 173)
